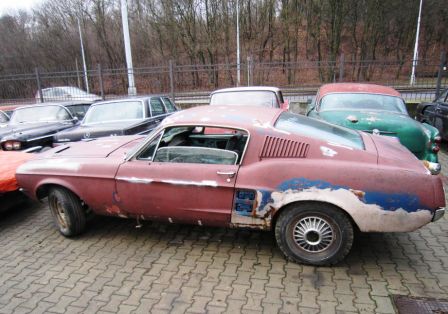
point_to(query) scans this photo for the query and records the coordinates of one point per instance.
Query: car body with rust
(263, 96)
(244, 167)
(376, 109)
(435, 113)
(32, 127)
(126, 116)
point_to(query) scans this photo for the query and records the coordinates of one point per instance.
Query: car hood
(94, 131)
(29, 131)
(411, 133)
(99, 148)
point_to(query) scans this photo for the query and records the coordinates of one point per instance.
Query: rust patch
(116, 211)
(359, 194)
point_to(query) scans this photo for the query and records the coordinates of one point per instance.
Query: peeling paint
(326, 151)
(116, 211)
(371, 211)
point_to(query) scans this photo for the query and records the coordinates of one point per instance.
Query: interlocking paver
(163, 268)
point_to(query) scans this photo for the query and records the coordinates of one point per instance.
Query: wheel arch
(301, 202)
(44, 187)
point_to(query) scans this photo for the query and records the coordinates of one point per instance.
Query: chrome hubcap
(313, 234)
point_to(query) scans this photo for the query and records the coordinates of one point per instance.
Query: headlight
(12, 145)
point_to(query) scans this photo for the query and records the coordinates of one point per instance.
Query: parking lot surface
(119, 267)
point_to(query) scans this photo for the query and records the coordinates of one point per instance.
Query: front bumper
(438, 214)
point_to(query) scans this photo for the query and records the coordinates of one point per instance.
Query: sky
(11, 6)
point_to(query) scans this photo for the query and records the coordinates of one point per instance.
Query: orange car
(9, 190)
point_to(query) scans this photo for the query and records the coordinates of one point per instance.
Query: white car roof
(248, 88)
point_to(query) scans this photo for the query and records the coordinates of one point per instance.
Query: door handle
(230, 174)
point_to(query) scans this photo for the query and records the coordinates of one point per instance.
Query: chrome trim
(438, 214)
(135, 180)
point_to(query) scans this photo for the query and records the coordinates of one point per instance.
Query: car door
(161, 188)
(440, 114)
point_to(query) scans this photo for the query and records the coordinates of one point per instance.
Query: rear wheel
(68, 213)
(314, 233)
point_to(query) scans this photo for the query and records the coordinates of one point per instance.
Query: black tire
(326, 242)
(67, 211)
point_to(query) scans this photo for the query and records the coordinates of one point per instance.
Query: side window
(169, 105)
(156, 106)
(442, 97)
(201, 145)
(3, 117)
(148, 152)
(78, 111)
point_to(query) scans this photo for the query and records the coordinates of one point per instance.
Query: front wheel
(67, 211)
(314, 233)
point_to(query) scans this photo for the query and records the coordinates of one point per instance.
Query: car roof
(357, 88)
(138, 98)
(247, 88)
(61, 103)
(233, 116)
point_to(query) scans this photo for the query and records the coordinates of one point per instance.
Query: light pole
(132, 91)
(415, 58)
(86, 79)
(238, 66)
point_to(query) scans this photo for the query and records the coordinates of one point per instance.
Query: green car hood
(411, 133)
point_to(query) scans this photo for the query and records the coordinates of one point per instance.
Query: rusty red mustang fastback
(311, 182)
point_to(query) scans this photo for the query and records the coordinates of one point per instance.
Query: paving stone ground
(161, 268)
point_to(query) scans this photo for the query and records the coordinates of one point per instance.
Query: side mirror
(75, 120)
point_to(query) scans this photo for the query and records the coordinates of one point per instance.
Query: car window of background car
(442, 97)
(156, 106)
(3, 117)
(40, 114)
(169, 105)
(361, 101)
(78, 111)
(313, 128)
(246, 98)
(114, 111)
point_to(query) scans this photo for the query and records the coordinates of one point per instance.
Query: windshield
(247, 98)
(320, 130)
(3, 117)
(40, 114)
(114, 111)
(360, 101)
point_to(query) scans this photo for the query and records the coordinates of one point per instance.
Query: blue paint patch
(387, 201)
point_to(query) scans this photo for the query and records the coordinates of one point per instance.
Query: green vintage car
(379, 110)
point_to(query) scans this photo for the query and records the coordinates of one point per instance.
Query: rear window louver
(275, 147)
